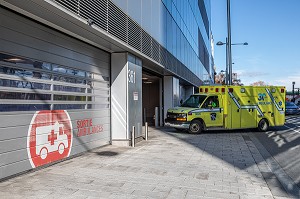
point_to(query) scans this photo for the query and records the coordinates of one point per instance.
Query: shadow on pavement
(278, 141)
(107, 153)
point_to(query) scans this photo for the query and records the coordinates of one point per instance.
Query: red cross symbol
(52, 137)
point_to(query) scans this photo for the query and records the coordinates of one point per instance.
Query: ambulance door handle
(238, 110)
(220, 110)
(249, 109)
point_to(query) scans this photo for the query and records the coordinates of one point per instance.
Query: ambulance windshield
(194, 101)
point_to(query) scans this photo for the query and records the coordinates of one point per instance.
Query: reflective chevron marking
(246, 106)
(235, 100)
(206, 110)
(273, 100)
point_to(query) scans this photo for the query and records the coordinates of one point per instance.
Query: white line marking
(292, 129)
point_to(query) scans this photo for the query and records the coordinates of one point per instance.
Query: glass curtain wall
(182, 27)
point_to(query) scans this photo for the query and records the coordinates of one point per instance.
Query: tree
(259, 83)
(220, 78)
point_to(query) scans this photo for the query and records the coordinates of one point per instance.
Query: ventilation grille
(134, 38)
(96, 11)
(155, 50)
(109, 17)
(146, 44)
(72, 6)
(117, 22)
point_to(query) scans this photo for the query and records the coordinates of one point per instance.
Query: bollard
(144, 115)
(146, 131)
(156, 117)
(133, 136)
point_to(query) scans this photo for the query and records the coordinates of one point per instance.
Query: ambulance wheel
(44, 153)
(263, 125)
(196, 127)
(61, 148)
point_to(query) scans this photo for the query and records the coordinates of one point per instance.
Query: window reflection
(24, 73)
(64, 70)
(23, 107)
(24, 84)
(68, 106)
(69, 98)
(68, 89)
(24, 96)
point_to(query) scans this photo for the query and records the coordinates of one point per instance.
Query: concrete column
(171, 93)
(126, 98)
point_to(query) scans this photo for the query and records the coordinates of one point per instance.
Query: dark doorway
(151, 97)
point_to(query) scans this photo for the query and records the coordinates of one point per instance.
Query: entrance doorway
(152, 98)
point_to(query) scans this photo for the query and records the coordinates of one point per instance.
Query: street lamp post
(228, 75)
(228, 47)
(293, 100)
(228, 42)
(298, 91)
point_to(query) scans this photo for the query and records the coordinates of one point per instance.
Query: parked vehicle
(291, 108)
(230, 107)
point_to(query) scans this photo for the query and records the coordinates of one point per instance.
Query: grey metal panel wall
(25, 38)
(135, 100)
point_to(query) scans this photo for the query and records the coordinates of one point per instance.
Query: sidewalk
(168, 165)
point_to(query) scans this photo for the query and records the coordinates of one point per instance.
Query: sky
(272, 29)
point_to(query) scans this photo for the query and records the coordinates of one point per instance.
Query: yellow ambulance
(230, 107)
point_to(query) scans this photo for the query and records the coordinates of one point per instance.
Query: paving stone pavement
(169, 165)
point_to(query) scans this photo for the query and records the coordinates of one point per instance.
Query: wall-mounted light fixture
(90, 22)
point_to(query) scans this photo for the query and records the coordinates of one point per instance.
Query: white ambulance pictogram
(50, 138)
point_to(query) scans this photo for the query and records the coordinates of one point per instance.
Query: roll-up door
(54, 95)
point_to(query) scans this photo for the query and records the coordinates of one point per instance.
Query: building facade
(77, 74)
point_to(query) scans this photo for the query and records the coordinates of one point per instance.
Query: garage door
(54, 95)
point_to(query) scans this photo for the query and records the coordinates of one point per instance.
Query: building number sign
(131, 76)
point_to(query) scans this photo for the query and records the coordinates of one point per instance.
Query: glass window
(211, 102)
(174, 33)
(170, 35)
(194, 101)
(69, 79)
(134, 10)
(68, 106)
(60, 69)
(69, 98)
(23, 107)
(39, 81)
(24, 84)
(24, 96)
(68, 89)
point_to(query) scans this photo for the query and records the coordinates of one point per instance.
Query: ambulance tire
(196, 127)
(263, 125)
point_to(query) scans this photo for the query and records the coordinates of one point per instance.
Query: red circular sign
(49, 137)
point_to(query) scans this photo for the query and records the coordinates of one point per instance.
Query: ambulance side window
(211, 102)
